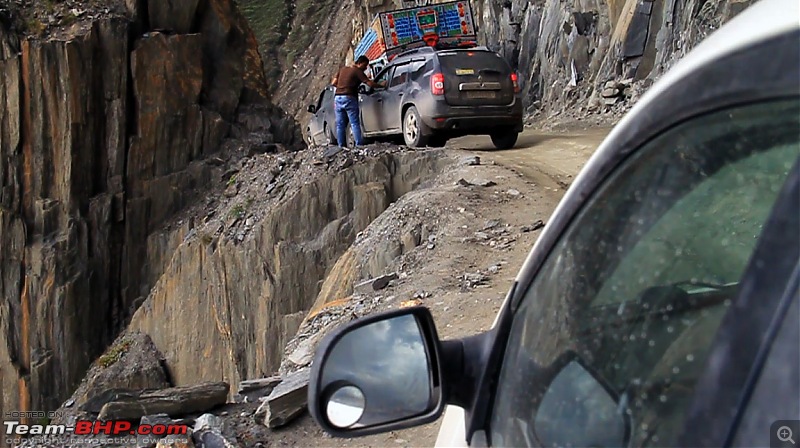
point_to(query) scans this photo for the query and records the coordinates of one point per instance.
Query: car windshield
(638, 284)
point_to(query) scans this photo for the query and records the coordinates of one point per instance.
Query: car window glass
(400, 76)
(321, 99)
(384, 75)
(417, 69)
(637, 285)
(328, 97)
(456, 62)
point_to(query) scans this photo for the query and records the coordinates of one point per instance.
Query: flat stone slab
(173, 401)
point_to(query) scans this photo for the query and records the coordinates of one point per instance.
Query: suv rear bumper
(473, 120)
(483, 124)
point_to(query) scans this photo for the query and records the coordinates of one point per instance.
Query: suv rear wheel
(504, 139)
(415, 133)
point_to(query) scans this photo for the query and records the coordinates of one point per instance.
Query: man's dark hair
(362, 60)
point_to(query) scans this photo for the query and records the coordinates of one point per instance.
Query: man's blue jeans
(347, 110)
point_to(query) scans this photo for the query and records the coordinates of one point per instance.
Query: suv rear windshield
(476, 60)
(476, 78)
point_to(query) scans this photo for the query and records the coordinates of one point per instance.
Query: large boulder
(132, 363)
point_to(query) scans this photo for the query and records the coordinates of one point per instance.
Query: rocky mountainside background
(114, 117)
(578, 59)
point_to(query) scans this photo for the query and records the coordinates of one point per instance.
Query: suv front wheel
(504, 139)
(415, 133)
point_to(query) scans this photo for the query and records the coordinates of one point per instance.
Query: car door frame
(315, 126)
(329, 112)
(393, 99)
(761, 70)
(370, 103)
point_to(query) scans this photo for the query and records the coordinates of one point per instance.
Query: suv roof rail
(425, 49)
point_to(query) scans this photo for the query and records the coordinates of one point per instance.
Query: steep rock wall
(567, 51)
(319, 38)
(103, 129)
(221, 309)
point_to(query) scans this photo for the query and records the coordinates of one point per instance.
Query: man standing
(347, 81)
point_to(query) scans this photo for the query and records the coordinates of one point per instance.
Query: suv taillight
(515, 81)
(437, 84)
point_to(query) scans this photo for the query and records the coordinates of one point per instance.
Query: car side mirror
(365, 89)
(578, 408)
(312, 109)
(380, 373)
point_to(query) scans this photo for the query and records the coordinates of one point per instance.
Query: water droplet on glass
(652, 343)
(670, 329)
(676, 370)
(690, 357)
(663, 398)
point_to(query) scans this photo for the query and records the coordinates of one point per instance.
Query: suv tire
(504, 139)
(415, 133)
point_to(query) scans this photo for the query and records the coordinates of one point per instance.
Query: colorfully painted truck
(443, 25)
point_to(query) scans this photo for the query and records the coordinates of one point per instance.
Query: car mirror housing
(377, 374)
(312, 109)
(365, 89)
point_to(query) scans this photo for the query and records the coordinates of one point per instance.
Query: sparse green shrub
(237, 211)
(34, 26)
(114, 353)
(69, 18)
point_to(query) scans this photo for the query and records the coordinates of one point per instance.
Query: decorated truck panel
(449, 24)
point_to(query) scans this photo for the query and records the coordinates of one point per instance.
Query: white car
(661, 304)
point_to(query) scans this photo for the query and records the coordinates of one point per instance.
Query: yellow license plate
(465, 71)
(481, 95)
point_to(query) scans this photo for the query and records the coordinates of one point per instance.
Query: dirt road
(484, 235)
(548, 159)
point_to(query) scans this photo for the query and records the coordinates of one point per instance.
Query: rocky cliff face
(235, 291)
(584, 56)
(575, 57)
(104, 128)
(313, 40)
